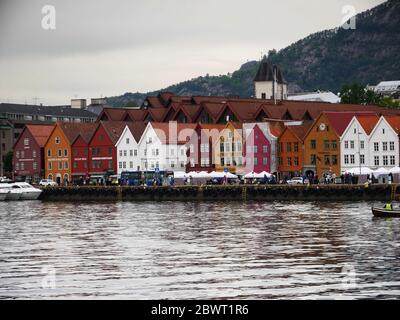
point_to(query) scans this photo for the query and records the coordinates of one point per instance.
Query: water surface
(177, 250)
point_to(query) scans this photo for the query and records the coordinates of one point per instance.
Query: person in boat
(388, 206)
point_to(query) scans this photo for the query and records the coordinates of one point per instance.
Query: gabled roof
(137, 129)
(113, 129)
(368, 122)
(158, 114)
(136, 114)
(86, 131)
(40, 133)
(300, 131)
(340, 120)
(394, 122)
(162, 130)
(113, 114)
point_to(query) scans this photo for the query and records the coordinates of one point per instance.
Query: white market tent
(217, 175)
(381, 172)
(364, 171)
(180, 175)
(198, 175)
(253, 175)
(395, 170)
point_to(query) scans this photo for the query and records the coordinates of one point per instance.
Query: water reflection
(173, 250)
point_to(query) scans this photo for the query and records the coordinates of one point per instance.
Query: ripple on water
(173, 250)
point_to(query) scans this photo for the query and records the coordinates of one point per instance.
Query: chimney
(78, 103)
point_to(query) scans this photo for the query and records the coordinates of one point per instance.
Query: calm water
(175, 250)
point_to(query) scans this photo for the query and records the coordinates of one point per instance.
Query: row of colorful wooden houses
(332, 142)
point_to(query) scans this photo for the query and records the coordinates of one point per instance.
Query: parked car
(47, 182)
(296, 180)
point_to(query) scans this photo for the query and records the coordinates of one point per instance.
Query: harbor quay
(376, 192)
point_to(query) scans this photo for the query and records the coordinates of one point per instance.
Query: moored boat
(28, 192)
(3, 194)
(11, 192)
(384, 213)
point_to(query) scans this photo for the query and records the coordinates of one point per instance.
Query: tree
(358, 94)
(8, 162)
(131, 104)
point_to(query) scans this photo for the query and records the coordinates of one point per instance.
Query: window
(172, 152)
(376, 147)
(392, 160)
(17, 154)
(327, 160)
(376, 161)
(127, 140)
(334, 144)
(289, 147)
(289, 162)
(49, 165)
(34, 166)
(59, 152)
(383, 131)
(296, 147)
(125, 153)
(384, 146)
(255, 149)
(17, 166)
(26, 142)
(334, 160)
(57, 140)
(296, 161)
(362, 159)
(172, 164)
(326, 144)
(135, 152)
(346, 159)
(124, 164)
(352, 144)
(120, 153)
(313, 159)
(391, 144)
(352, 159)
(313, 144)
(48, 152)
(65, 152)
(65, 165)
(120, 165)
(280, 161)
(131, 153)
(86, 151)
(110, 151)
(255, 161)
(385, 160)
(227, 147)
(85, 164)
(346, 144)
(362, 144)
(22, 165)
(60, 165)
(265, 161)
(110, 164)
(34, 153)
(75, 164)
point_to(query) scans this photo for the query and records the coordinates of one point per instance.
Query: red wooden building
(102, 149)
(28, 156)
(80, 153)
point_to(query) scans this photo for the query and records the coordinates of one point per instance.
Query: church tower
(269, 82)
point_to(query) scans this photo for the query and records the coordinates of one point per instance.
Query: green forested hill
(322, 61)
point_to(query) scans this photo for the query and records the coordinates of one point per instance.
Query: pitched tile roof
(368, 122)
(114, 129)
(340, 120)
(300, 131)
(137, 129)
(394, 122)
(162, 130)
(40, 133)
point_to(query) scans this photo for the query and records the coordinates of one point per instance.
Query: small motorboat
(11, 192)
(385, 213)
(3, 193)
(28, 192)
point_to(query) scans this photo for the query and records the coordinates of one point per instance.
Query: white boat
(3, 194)
(28, 192)
(11, 192)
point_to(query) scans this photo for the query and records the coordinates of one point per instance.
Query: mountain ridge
(325, 60)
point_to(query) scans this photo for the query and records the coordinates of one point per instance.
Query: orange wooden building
(322, 143)
(291, 150)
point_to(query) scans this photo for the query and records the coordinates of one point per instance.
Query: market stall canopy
(180, 175)
(261, 175)
(381, 172)
(395, 170)
(363, 170)
(217, 175)
(199, 175)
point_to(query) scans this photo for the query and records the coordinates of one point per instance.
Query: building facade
(28, 153)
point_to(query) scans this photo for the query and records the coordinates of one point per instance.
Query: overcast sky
(109, 47)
